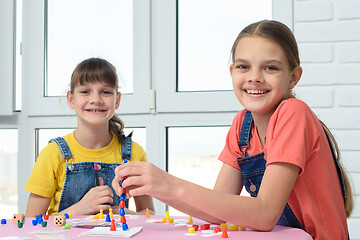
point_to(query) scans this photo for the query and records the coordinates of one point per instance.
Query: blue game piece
(122, 212)
(34, 222)
(3, 221)
(107, 218)
(40, 220)
(121, 183)
(66, 215)
(123, 196)
(125, 226)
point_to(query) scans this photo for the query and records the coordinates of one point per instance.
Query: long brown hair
(98, 70)
(281, 34)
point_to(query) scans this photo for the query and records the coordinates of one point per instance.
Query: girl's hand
(95, 199)
(143, 178)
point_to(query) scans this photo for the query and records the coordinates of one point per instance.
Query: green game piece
(44, 223)
(67, 226)
(20, 224)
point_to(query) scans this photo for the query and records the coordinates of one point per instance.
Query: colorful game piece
(167, 215)
(224, 233)
(39, 220)
(190, 220)
(20, 224)
(234, 227)
(223, 225)
(66, 215)
(191, 230)
(70, 216)
(101, 215)
(59, 220)
(122, 182)
(34, 222)
(96, 216)
(242, 228)
(125, 161)
(122, 211)
(122, 219)
(44, 223)
(46, 217)
(122, 196)
(3, 221)
(196, 227)
(112, 226)
(171, 220)
(122, 204)
(108, 218)
(163, 219)
(125, 226)
(217, 229)
(18, 218)
(111, 213)
(67, 226)
(147, 215)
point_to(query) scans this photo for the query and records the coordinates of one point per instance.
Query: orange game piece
(112, 226)
(224, 233)
(147, 215)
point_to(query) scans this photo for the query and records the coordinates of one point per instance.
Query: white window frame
(7, 56)
(164, 61)
(34, 49)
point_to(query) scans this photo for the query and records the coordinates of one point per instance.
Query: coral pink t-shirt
(296, 136)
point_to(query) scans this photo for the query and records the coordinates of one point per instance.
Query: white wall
(328, 33)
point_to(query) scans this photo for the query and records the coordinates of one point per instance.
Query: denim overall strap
(126, 148)
(63, 146)
(245, 133)
(253, 168)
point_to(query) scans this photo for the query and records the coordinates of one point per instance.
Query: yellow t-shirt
(48, 175)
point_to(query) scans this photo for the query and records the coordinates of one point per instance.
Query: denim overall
(80, 177)
(253, 168)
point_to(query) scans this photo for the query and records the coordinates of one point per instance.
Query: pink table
(151, 230)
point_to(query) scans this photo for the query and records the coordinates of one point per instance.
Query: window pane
(193, 154)
(206, 32)
(79, 29)
(8, 172)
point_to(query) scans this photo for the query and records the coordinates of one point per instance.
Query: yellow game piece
(70, 216)
(163, 219)
(96, 216)
(223, 225)
(190, 220)
(167, 215)
(101, 215)
(242, 228)
(111, 213)
(191, 230)
(234, 227)
(171, 220)
(147, 215)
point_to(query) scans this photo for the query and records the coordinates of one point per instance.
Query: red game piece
(224, 233)
(217, 229)
(46, 217)
(122, 219)
(196, 227)
(122, 204)
(112, 226)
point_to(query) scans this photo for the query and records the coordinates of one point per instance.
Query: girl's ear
(231, 68)
(117, 101)
(70, 100)
(295, 76)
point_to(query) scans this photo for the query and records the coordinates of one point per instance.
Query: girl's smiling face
(94, 103)
(261, 74)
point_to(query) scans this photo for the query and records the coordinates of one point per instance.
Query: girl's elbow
(267, 224)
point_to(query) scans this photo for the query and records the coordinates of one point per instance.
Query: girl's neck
(261, 123)
(93, 138)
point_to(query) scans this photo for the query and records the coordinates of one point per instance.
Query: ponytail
(349, 200)
(116, 125)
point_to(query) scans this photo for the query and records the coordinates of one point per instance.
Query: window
(8, 172)
(104, 30)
